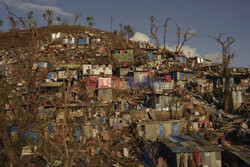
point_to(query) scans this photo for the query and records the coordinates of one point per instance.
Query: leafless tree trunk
(77, 16)
(178, 33)
(227, 58)
(24, 114)
(186, 37)
(129, 30)
(48, 16)
(165, 32)
(121, 33)
(111, 23)
(13, 23)
(21, 20)
(154, 30)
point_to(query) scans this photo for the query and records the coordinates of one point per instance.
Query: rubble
(114, 103)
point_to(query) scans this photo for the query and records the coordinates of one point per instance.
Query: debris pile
(115, 102)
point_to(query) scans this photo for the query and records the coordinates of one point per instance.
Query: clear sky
(206, 17)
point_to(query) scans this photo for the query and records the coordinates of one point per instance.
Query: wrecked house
(189, 150)
(162, 102)
(151, 130)
(83, 41)
(105, 89)
(182, 76)
(140, 93)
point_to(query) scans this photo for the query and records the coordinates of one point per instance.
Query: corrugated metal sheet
(181, 76)
(175, 129)
(105, 94)
(4, 70)
(83, 41)
(188, 144)
(161, 130)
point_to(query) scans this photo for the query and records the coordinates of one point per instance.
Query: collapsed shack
(188, 150)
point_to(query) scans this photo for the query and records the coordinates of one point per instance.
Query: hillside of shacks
(78, 96)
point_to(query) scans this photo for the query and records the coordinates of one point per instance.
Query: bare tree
(111, 23)
(186, 37)
(58, 19)
(48, 17)
(30, 18)
(122, 32)
(129, 30)
(77, 17)
(165, 32)
(13, 23)
(20, 19)
(90, 21)
(32, 23)
(227, 58)
(19, 108)
(154, 30)
(1, 25)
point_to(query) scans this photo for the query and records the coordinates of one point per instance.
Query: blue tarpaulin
(33, 136)
(78, 133)
(161, 131)
(147, 158)
(80, 41)
(175, 130)
(50, 128)
(150, 56)
(51, 75)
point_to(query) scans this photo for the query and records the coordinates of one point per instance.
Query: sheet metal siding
(161, 131)
(189, 144)
(81, 41)
(175, 129)
(181, 76)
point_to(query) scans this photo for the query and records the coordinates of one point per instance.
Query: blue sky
(206, 17)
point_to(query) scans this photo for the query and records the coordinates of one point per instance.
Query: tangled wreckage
(121, 103)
